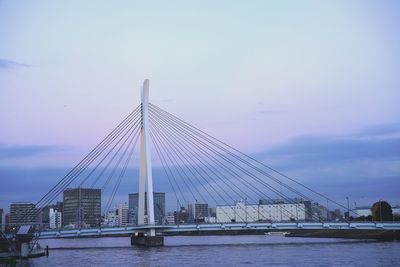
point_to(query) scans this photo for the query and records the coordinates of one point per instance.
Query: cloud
(16, 151)
(381, 130)
(371, 144)
(8, 64)
(365, 164)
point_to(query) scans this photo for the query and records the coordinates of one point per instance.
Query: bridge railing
(298, 224)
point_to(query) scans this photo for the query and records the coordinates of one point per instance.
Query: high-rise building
(22, 213)
(44, 215)
(159, 207)
(82, 207)
(55, 218)
(2, 220)
(121, 214)
(198, 212)
(133, 204)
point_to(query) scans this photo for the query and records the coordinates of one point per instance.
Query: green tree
(381, 211)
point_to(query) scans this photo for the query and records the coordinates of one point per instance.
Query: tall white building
(55, 219)
(121, 214)
(261, 212)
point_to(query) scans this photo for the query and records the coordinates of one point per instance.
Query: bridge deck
(228, 228)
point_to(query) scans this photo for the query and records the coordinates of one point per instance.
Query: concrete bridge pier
(24, 250)
(23, 239)
(140, 239)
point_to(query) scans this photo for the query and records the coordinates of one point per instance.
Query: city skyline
(132, 198)
(54, 216)
(318, 106)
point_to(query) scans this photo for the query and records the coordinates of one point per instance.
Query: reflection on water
(220, 251)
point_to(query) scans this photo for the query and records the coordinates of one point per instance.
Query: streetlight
(245, 208)
(177, 212)
(348, 208)
(196, 212)
(327, 209)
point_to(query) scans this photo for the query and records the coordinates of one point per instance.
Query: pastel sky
(309, 87)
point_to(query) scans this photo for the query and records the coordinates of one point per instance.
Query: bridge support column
(147, 241)
(24, 250)
(145, 171)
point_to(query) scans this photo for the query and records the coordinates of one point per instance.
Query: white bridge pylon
(145, 172)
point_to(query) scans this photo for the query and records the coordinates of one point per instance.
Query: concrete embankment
(348, 233)
(325, 233)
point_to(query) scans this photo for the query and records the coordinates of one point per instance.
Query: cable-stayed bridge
(199, 169)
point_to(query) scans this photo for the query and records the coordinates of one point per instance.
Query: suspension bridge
(199, 169)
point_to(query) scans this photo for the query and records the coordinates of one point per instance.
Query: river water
(219, 251)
